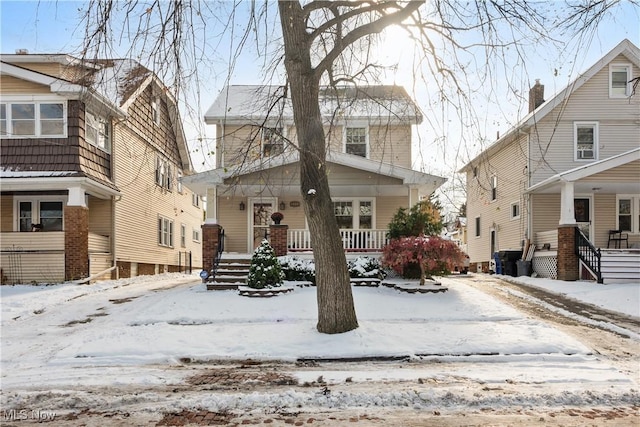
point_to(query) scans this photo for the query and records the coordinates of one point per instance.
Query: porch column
(568, 263)
(212, 205)
(210, 235)
(278, 238)
(76, 236)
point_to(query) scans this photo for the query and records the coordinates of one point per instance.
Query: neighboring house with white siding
(91, 156)
(369, 134)
(572, 162)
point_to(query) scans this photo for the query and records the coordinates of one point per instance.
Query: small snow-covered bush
(296, 269)
(265, 270)
(365, 267)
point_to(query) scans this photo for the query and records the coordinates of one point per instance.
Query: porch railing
(353, 240)
(589, 255)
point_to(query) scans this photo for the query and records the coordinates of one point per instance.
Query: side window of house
(356, 141)
(196, 235)
(195, 200)
(477, 226)
(33, 119)
(155, 111)
(272, 141)
(163, 174)
(165, 232)
(97, 131)
(586, 140)
(494, 187)
(179, 182)
(183, 235)
(619, 80)
(515, 210)
(40, 215)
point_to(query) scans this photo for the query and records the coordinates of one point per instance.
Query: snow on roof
(9, 173)
(260, 104)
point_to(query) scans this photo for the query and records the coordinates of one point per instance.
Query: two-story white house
(369, 151)
(572, 162)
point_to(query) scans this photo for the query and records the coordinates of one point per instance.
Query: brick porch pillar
(210, 234)
(568, 263)
(278, 238)
(76, 242)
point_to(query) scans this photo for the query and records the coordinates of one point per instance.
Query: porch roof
(216, 177)
(553, 184)
(53, 181)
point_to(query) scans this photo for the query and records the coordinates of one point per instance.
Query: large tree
(329, 43)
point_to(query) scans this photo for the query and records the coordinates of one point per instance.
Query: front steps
(620, 266)
(232, 272)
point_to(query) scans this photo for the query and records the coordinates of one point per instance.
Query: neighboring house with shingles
(572, 162)
(369, 136)
(92, 152)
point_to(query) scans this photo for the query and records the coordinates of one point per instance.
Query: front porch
(355, 241)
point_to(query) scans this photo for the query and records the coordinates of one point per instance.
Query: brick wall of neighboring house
(174, 269)
(278, 238)
(146, 269)
(76, 242)
(568, 265)
(124, 269)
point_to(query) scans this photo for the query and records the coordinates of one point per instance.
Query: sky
(125, 332)
(443, 143)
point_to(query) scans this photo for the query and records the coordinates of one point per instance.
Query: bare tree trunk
(336, 311)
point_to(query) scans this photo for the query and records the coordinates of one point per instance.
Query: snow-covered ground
(126, 332)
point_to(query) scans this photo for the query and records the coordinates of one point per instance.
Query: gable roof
(260, 104)
(625, 47)
(200, 181)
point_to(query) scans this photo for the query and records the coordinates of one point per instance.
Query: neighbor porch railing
(589, 254)
(353, 240)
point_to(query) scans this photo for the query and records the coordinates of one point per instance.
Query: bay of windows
(33, 119)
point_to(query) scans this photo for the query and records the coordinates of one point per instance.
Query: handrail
(216, 260)
(588, 254)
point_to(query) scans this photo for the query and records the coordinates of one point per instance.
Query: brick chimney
(536, 96)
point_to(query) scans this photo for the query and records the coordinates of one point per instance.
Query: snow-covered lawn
(50, 332)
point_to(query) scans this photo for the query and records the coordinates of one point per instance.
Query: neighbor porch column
(76, 236)
(568, 263)
(278, 238)
(210, 236)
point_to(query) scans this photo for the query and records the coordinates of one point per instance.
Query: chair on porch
(617, 236)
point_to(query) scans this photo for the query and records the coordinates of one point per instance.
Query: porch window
(628, 213)
(163, 173)
(354, 213)
(477, 226)
(272, 142)
(356, 141)
(619, 77)
(33, 119)
(97, 131)
(165, 232)
(48, 214)
(586, 140)
(344, 214)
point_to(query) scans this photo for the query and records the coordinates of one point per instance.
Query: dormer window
(272, 142)
(356, 141)
(33, 119)
(619, 78)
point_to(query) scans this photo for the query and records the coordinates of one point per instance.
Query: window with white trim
(36, 214)
(272, 141)
(179, 182)
(183, 235)
(477, 226)
(515, 210)
(163, 173)
(40, 119)
(165, 232)
(585, 136)
(155, 111)
(628, 213)
(97, 131)
(195, 200)
(494, 188)
(619, 80)
(355, 141)
(354, 213)
(196, 235)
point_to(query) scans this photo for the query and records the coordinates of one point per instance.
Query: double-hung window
(165, 232)
(619, 80)
(515, 210)
(28, 119)
(494, 188)
(628, 213)
(354, 213)
(97, 131)
(585, 140)
(272, 141)
(163, 173)
(355, 141)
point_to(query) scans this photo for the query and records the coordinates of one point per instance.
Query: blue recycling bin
(496, 258)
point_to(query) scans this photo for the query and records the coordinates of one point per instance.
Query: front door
(261, 210)
(582, 209)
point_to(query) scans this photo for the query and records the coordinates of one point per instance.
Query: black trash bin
(523, 268)
(509, 259)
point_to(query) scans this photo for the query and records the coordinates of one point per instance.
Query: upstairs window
(155, 111)
(195, 200)
(33, 119)
(97, 131)
(619, 78)
(586, 140)
(356, 141)
(477, 226)
(179, 182)
(272, 142)
(494, 188)
(163, 174)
